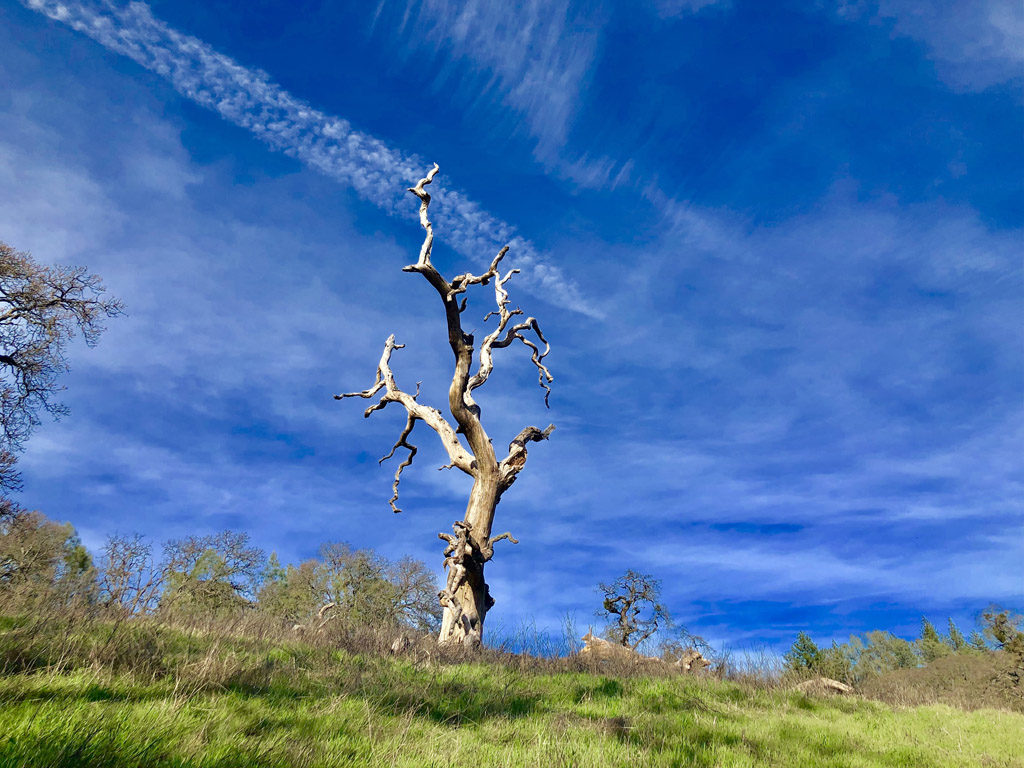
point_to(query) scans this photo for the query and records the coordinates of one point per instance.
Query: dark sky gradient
(788, 367)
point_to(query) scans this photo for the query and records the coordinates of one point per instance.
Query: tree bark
(466, 597)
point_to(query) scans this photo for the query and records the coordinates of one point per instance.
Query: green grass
(205, 700)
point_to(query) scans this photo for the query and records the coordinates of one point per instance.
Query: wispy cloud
(672, 8)
(250, 99)
(974, 45)
(536, 55)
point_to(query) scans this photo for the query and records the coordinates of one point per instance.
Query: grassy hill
(142, 694)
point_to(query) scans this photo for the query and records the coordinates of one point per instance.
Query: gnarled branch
(428, 242)
(512, 464)
(495, 339)
(487, 548)
(456, 554)
(385, 379)
(403, 442)
(461, 282)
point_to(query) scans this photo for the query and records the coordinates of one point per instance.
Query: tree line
(878, 652)
(43, 564)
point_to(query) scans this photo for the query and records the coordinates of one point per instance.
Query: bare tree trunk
(466, 598)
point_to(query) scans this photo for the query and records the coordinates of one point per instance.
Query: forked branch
(503, 336)
(385, 379)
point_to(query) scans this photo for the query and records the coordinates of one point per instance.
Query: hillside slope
(153, 696)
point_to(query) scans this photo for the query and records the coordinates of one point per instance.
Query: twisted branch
(495, 340)
(516, 459)
(487, 550)
(428, 242)
(461, 282)
(403, 443)
(385, 379)
(456, 554)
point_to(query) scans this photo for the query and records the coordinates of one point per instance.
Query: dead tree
(465, 597)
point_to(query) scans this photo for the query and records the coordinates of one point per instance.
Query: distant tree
(878, 652)
(1001, 626)
(955, 639)
(803, 655)
(294, 593)
(269, 598)
(130, 582)
(41, 309)
(360, 585)
(1006, 630)
(214, 573)
(929, 644)
(977, 641)
(928, 631)
(633, 605)
(833, 662)
(41, 560)
(414, 594)
(357, 582)
(368, 588)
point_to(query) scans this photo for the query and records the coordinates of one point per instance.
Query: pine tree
(956, 638)
(977, 642)
(929, 644)
(803, 655)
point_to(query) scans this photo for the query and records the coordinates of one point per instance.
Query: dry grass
(966, 681)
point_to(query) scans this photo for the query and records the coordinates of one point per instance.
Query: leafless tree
(130, 581)
(41, 309)
(414, 594)
(632, 603)
(465, 597)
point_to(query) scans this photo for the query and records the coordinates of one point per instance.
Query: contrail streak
(250, 99)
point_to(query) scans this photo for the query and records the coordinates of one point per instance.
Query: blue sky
(776, 248)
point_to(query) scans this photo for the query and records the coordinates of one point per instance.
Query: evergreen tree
(803, 655)
(928, 632)
(977, 642)
(274, 571)
(956, 638)
(929, 644)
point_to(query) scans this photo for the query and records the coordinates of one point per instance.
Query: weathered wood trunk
(463, 622)
(466, 597)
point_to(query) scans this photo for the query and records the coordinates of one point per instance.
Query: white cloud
(248, 98)
(974, 44)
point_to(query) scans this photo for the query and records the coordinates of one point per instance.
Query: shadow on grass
(454, 702)
(69, 695)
